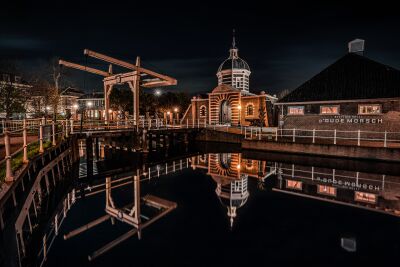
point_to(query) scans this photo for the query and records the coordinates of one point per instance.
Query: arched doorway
(225, 112)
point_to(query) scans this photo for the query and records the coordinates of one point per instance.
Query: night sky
(285, 43)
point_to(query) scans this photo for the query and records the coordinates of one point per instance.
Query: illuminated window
(369, 109)
(329, 110)
(365, 197)
(298, 110)
(250, 110)
(326, 190)
(249, 164)
(294, 184)
(203, 111)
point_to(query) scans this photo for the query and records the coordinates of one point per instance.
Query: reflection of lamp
(240, 109)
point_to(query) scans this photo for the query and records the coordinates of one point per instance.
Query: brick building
(354, 93)
(231, 102)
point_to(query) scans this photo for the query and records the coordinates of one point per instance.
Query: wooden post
(358, 137)
(53, 129)
(9, 175)
(25, 137)
(72, 125)
(276, 135)
(41, 150)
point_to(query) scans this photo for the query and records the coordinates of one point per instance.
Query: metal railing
(334, 136)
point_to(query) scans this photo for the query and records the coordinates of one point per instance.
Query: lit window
(365, 197)
(294, 184)
(369, 109)
(298, 110)
(329, 110)
(249, 164)
(203, 111)
(250, 110)
(326, 190)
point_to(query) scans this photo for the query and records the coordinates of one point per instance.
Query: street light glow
(75, 106)
(157, 92)
(48, 108)
(175, 109)
(168, 112)
(89, 104)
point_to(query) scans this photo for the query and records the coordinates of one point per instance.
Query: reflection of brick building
(231, 174)
(231, 102)
(372, 191)
(354, 93)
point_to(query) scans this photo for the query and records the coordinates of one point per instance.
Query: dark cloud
(285, 43)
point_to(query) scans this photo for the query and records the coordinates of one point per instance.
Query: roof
(92, 95)
(224, 88)
(351, 77)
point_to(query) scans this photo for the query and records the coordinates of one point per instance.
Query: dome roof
(234, 62)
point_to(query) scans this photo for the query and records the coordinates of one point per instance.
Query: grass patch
(16, 161)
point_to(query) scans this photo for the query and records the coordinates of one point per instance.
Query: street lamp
(89, 104)
(157, 92)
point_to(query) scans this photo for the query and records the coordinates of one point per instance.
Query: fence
(334, 137)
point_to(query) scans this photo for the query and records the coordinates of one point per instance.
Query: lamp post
(177, 114)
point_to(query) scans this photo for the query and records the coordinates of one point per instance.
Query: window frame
(205, 111)
(295, 187)
(247, 109)
(363, 199)
(324, 106)
(326, 193)
(297, 114)
(360, 105)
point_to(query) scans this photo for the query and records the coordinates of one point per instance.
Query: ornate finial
(233, 41)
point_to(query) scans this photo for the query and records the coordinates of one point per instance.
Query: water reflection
(372, 191)
(239, 185)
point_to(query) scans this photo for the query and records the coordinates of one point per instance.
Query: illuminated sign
(351, 119)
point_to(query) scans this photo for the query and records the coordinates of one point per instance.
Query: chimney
(357, 46)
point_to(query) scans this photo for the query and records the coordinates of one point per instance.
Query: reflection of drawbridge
(139, 214)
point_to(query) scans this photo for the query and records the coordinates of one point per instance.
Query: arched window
(250, 110)
(203, 111)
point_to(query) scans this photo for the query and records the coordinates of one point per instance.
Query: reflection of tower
(233, 195)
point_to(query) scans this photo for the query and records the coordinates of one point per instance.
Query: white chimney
(357, 46)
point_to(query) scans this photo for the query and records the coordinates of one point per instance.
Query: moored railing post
(25, 137)
(294, 135)
(385, 140)
(66, 128)
(41, 150)
(358, 137)
(313, 136)
(276, 134)
(334, 137)
(9, 175)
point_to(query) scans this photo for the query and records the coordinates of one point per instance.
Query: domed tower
(234, 71)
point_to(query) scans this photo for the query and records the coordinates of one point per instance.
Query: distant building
(17, 83)
(231, 102)
(354, 93)
(92, 105)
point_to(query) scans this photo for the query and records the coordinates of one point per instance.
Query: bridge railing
(23, 139)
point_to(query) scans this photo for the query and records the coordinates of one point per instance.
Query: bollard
(25, 137)
(9, 175)
(41, 150)
(53, 129)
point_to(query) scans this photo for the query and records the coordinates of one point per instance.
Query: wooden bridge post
(89, 156)
(9, 175)
(25, 137)
(41, 150)
(72, 125)
(53, 129)
(144, 141)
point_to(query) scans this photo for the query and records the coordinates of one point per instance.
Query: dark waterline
(270, 228)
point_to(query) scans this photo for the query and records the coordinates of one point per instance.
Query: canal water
(241, 209)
